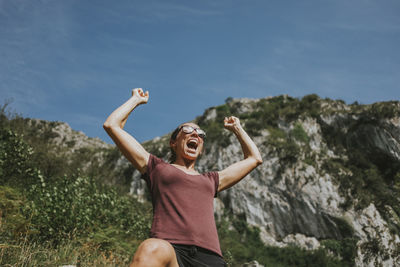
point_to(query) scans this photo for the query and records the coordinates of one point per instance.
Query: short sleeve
(151, 164)
(215, 178)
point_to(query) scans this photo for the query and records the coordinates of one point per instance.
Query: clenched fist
(232, 123)
(142, 97)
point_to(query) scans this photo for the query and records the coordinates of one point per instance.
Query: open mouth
(192, 143)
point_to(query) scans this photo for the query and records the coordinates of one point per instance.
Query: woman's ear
(172, 144)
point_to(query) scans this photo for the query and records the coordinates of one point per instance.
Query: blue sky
(77, 60)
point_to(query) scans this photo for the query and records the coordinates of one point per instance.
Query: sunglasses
(189, 129)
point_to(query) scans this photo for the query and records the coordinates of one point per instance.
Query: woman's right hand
(140, 95)
(114, 126)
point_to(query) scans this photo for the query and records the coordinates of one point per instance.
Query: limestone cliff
(331, 171)
(330, 177)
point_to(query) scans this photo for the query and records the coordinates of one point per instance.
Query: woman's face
(188, 145)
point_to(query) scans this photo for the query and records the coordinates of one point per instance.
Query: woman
(183, 231)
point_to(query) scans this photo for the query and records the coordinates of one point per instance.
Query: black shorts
(193, 256)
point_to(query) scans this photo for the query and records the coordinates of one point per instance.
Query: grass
(69, 252)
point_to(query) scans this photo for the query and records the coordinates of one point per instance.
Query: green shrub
(299, 133)
(80, 205)
(16, 168)
(310, 105)
(252, 248)
(13, 223)
(346, 249)
(383, 110)
(253, 127)
(286, 148)
(223, 111)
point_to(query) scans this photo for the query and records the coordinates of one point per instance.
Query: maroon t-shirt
(183, 205)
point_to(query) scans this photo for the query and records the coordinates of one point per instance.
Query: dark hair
(174, 134)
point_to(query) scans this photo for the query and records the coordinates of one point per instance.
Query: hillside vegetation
(56, 209)
(65, 198)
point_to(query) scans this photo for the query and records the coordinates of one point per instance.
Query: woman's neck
(185, 163)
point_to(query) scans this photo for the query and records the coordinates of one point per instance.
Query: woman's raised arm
(128, 145)
(252, 157)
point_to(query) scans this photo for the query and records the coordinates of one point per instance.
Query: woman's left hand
(232, 123)
(252, 157)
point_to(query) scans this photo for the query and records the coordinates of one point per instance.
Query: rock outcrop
(322, 159)
(331, 171)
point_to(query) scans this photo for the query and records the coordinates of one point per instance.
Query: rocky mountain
(330, 177)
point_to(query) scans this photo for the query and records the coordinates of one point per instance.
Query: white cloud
(155, 11)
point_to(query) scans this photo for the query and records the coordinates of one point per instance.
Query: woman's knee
(155, 246)
(156, 251)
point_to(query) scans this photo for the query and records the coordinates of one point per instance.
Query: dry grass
(67, 253)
